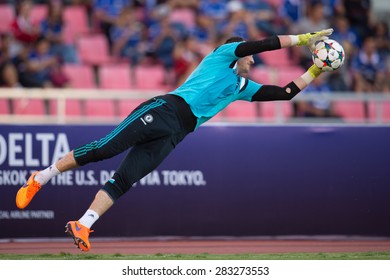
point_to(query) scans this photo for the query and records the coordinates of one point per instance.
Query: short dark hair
(234, 39)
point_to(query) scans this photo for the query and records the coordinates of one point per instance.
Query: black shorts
(152, 131)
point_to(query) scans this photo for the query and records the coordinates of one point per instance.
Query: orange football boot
(27, 192)
(80, 235)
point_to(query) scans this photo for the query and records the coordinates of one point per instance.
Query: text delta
(32, 150)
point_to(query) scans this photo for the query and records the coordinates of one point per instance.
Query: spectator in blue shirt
(105, 13)
(345, 35)
(127, 36)
(211, 14)
(291, 11)
(368, 68)
(52, 28)
(320, 106)
(265, 16)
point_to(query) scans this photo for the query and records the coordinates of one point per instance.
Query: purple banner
(220, 181)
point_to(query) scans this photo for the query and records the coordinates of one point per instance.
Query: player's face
(244, 64)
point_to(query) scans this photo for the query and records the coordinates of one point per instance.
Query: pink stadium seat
(115, 76)
(72, 107)
(81, 76)
(218, 117)
(4, 108)
(6, 18)
(373, 106)
(269, 110)
(185, 16)
(38, 13)
(76, 22)
(275, 3)
(241, 111)
(93, 49)
(286, 75)
(149, 77)
(102, 108)
(279, 57)
(127, 106)
(29, 106)
(262, 75)
(350, 111)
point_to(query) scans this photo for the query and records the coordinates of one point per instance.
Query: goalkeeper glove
(314, 71)
(309, 39)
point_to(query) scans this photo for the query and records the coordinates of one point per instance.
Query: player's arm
(272, 92)
(281, 41)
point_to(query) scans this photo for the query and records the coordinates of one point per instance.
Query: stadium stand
(278, 58)
(115, 76)
(241, 111)
(93, 49)
(6, 18)
(383, 109)
(97, 69)
(185, 16)
(288, 74)
(263, 75)
(73, 107)
(350, 110)
(76, 23)
(80, 76)
(29, 106)
(126, 106)
(276, 3)
(149, 77)
(100, 108)
(275, 111)
(38, 13)
(4, 108)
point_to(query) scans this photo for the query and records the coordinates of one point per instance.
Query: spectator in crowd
(8, 49)
(358, 13)
(24, 30)
(345, 35)
(187, 56)
(320, 107)
(382, 41)
(315, 19)
(21, 61)
(239, 22)
(9, 79)
(105, 13)
(163, 37)
(291, 12)
(368, 68)
(242, 23)
(331, 7)
(202, 33)
(9, 75)
(265, 16)
(45, 67)
(382, 38)
(192, 4)
(52, 27)
(211, 13)
(128, 37)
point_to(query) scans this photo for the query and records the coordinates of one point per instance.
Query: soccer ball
(328, 55)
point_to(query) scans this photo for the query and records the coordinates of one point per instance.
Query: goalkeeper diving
(157, 126)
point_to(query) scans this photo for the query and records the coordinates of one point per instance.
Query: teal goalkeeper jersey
(214, 84)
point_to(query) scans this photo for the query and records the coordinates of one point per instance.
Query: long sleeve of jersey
(271, 92)
(254, 47)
